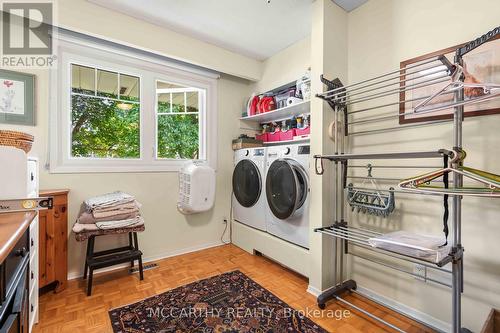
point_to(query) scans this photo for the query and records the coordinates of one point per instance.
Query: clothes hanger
(371, 202)
(421, 183)
(482, 91)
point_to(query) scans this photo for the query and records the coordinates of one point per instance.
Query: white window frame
(89, 53)
(201, 115)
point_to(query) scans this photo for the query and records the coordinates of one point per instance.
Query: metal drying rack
(423, 74)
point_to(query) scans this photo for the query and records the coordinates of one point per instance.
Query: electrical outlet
(420, 271)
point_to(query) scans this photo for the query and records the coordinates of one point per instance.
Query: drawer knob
(32, 275)
(32, 242)
(32, 176)
(32, 308)
(22, 252)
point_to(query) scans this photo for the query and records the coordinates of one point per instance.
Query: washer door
(286, 187)
(247, 183)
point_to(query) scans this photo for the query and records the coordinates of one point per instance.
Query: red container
(303, 131)
(262, 137)
(287, 135)
(273, 137)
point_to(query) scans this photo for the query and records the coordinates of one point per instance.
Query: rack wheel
(321, 306)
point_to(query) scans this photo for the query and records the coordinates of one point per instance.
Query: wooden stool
(106, 258)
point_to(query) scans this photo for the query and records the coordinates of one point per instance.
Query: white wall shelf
(281, 114)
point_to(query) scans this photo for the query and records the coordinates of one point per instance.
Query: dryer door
(286, 187)
(247, 183)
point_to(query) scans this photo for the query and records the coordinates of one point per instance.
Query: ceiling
(349, 5)
(254, 28)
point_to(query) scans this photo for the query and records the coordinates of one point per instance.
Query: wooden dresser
(53, 241)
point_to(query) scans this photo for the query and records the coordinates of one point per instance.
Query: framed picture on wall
(17, 98)
(481, 65)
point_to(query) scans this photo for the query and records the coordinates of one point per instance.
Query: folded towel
(118, 224)
(106, 225)
(119, 210)
(108, 200)
(88, 218)
(120, 206)
(113, 212)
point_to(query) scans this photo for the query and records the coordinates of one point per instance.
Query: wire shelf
(360, 237)
(392, 155)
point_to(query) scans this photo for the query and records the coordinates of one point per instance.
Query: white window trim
(75, 50)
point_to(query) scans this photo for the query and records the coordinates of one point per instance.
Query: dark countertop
(12, 227)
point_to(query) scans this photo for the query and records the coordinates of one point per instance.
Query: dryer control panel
(304, 150)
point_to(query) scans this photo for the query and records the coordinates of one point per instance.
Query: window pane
(167, 85)
(163, 103)
(129, 88)
(178, 102)
(192, 101)
(107, 84)
(82, 80)
(178, 136)
(102, 128)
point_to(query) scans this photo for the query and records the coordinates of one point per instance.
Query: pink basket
(303, 131)
(287, 135)
(262, 137)
(273, 137)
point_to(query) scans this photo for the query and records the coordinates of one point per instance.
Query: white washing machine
(249, 197)
(287, 193)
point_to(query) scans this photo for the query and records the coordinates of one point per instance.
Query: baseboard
(414, 314)
(421, 317)
(146, 259)
(313, 291)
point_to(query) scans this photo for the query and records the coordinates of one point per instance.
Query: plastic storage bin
(273, 137)
(262, 137)
(303, 131)
(427, 248)
(287, 135)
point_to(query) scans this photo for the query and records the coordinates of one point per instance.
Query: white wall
(382, 33)
(329, 57)
(285, 66)
(167, 231)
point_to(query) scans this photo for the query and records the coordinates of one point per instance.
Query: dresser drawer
(33, 274)
(13, 263)
(34, 237)
(33, 307)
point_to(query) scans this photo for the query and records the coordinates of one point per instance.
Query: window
(177, 121)
(125, 111)
(105, 109)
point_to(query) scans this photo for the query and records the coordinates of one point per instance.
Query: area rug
(230, 302)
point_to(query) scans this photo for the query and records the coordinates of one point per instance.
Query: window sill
(170, 166)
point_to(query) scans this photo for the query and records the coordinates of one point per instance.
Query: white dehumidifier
(196, 188)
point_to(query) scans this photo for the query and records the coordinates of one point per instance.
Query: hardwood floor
(72, 311)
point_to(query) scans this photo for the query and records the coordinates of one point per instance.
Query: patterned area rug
(230, 302)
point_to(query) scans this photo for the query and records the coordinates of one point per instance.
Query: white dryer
(249, 197)
(287, 193)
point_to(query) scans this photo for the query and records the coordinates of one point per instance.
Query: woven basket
(4, 134)
(16, 139)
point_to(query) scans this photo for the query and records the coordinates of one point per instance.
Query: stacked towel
(115, 210)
